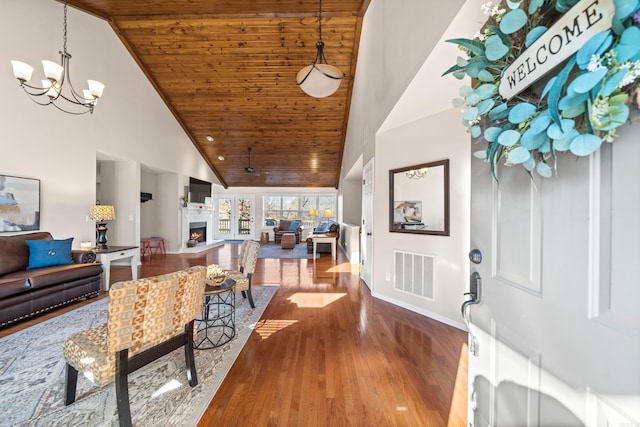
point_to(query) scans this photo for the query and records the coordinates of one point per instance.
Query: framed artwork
(19, 203)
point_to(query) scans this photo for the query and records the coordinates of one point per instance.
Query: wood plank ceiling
(227, 68)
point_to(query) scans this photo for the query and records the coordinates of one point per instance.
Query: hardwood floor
(326, 353)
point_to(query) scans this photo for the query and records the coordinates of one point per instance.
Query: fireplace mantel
(195, 212)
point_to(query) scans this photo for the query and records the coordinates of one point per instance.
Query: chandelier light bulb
(21, 70)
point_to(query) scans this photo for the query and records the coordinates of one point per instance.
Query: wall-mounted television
(198, 190)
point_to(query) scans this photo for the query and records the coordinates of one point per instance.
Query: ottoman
(288, 240)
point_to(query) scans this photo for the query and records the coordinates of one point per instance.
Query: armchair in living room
(288, 226)
(329, 229)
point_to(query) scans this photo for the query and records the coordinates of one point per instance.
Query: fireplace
(198, 231)
(197, 219)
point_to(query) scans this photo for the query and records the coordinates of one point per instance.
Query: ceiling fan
(250, 169)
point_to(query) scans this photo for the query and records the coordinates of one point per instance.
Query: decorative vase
(192, 243)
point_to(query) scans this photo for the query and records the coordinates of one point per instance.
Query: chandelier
(57, 89)
(319, 79)
(416, 173)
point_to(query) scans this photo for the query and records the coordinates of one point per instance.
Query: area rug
(32, 370)
(274, 250)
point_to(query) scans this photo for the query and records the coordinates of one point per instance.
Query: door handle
(475, 289)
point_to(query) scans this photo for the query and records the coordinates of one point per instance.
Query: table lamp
(101, 213)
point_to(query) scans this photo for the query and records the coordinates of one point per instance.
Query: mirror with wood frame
(419, 199)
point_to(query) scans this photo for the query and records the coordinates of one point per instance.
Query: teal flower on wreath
(575, 110)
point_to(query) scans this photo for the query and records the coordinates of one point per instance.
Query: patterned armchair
(246, 264)
(148, 318)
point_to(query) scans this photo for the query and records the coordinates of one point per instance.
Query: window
(310, 209)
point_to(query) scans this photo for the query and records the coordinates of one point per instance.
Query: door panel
(235, 217)
(366, 233)
(558, 323)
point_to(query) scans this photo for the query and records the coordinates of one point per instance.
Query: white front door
(235, 217)
(366, 228)
(556, 334)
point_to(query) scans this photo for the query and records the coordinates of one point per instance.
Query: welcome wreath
(577, 109)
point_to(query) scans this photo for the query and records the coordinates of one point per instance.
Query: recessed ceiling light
(221, 158)
(210, 138)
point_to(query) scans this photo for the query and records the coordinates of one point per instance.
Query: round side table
(217, 326)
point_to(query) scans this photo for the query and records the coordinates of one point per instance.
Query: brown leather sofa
(285, 227)
(333, 229)
(25, 293)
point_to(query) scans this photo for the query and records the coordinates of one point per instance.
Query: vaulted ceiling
(227, 68)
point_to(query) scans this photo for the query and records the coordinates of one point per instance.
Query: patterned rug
(273, 250)
(32, 371)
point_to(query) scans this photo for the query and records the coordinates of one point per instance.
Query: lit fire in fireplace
(195, 236)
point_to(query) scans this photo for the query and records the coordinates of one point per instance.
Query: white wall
(130, 122)
(432, 138)
(397, 39)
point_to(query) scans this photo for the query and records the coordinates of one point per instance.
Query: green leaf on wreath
(616, 116)
(558, 132)
(534, 5)
(459, 75)
(556, 89)
(457, 102)
(476, 131)
(620, 98)
(533, 141)
(476, 47)
(495, 48)
(498, 113)
(508, 137)
(485, 76)
(491, 134)
(486, 91)
(612, 82)
(585, 144)
(482, 155)
(472, 99)
(520, 112)
(518, 155)
(485, 106)
(629, 44)
(534, 34)
(529, 164)
(570, 101)
(544, 170)
(596, 45)
(513, 4)
(513, 21)
(540, 123)
(624, 8)
(573, 112)
(587, 81)
(470, 113)
(562, 144)
(465, 90)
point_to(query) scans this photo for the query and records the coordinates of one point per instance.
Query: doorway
(235, 217)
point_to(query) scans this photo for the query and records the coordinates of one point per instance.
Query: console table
(323, 238)
(105, 256)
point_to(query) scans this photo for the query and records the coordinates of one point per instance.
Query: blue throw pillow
(322, 227)
(294, 225)
(46, 253)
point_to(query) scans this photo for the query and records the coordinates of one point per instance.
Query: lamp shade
(327, 213)
(102, 213)
(313, 212)
(319, 80)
